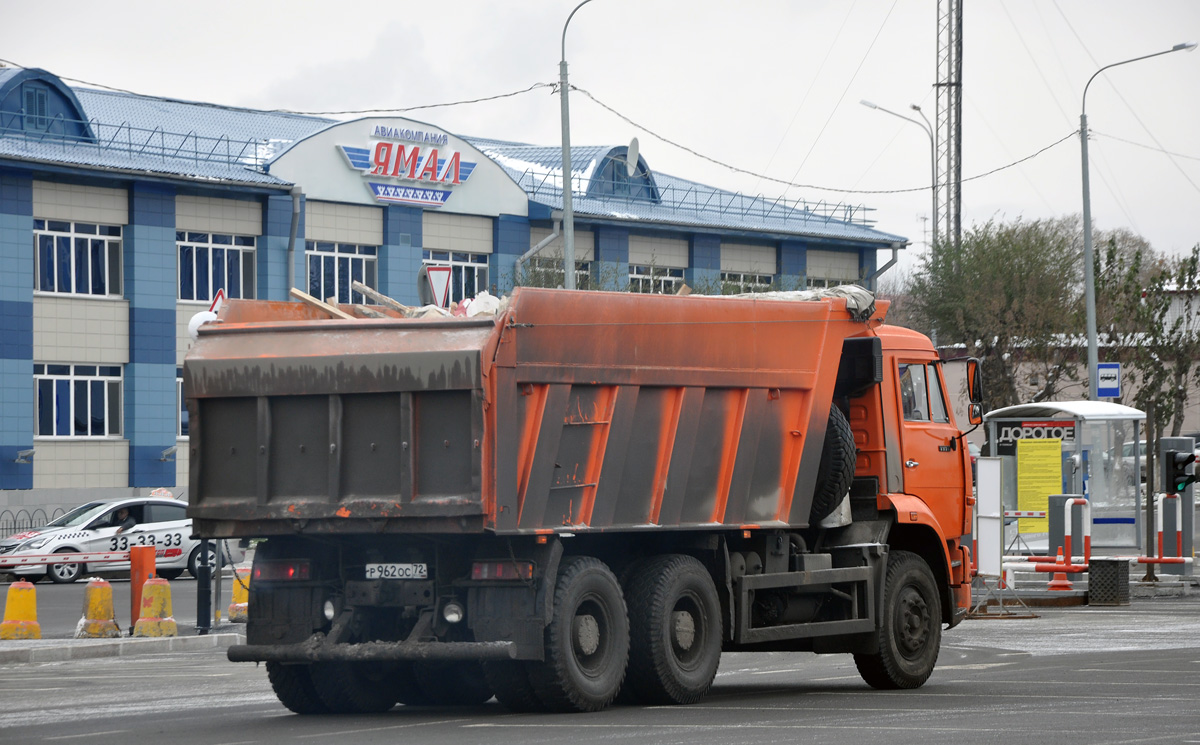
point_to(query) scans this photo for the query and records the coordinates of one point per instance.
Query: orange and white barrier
(98, 557)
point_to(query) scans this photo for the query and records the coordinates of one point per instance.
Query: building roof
(160, 136)
(538, 170)
(1085, 410)
(204, 142)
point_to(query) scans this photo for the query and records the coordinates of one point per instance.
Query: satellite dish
(631, 157)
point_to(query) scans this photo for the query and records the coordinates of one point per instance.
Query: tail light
(282, 571)
(502, 570)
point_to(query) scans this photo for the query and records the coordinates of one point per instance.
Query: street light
(1089, 280)
(568, 212)
(932, 152)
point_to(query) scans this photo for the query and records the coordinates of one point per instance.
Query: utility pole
(948, 120)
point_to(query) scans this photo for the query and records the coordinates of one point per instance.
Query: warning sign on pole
(218, 301)
(439, 284)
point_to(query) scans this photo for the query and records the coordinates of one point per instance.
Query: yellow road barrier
(156, 615)
(98, 620)
(20, 613)
(240, 597)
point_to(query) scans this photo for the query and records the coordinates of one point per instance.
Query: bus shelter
(1093, 448)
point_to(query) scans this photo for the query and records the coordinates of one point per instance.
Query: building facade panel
(343, 223)
(80, 330)
(92, 204)
(66, 465)
(212, 215)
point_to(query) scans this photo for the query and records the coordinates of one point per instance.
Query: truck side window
(913, 393)
(937, 401)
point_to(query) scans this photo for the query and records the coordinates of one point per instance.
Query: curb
(63, 650)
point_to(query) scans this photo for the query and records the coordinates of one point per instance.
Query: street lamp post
(932, 152)
(1089, 279)
(568, 212)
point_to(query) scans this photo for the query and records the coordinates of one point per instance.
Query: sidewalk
(61, 650)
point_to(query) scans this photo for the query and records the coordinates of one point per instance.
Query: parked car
(94, 528)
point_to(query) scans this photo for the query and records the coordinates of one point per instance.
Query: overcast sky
(769, 86)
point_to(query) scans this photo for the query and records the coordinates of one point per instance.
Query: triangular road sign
(439, 284)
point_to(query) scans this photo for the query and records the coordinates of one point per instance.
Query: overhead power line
(785, 182)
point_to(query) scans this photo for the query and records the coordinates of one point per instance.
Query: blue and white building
(121, 216)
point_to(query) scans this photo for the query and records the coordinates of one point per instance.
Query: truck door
(931, 458)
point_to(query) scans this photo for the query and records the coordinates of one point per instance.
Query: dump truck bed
(570, 411)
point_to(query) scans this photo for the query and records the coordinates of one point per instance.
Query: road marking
(343, 732)
(88, 734)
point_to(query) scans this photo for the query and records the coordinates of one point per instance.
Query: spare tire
(836, 470)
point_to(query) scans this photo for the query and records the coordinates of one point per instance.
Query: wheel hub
(913, 622)
(683, 630)
(586, 631)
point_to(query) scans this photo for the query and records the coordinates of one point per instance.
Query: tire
(510, 681)
(910, 631)
(675, 631)
(193, 562)
(293, 686)
(65, 574)
(170, 574)
(836, 469)
(452, 683)
(587, 641)
(355, 687)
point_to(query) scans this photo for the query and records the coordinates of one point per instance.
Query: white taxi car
(92, 528)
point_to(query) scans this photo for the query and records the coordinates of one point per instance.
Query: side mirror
(974, 383)
(975, 414)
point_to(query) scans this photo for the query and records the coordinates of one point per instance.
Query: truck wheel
(674, 631)
(510, 681)
(910, 632)
(355, 687)
(64, 573)
(587, 641)
(293, 686)
(452, 683)
(836, 469)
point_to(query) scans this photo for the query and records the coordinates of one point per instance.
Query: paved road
(1126, 675)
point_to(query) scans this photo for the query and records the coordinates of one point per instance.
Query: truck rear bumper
(317, 649)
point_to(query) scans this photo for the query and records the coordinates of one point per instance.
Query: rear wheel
(452, 683)
(587, 641)
(64, 573)
(675, 631)
(510, 681)
(355, 687)
(293, 686)
(193, 562)
(910, 634)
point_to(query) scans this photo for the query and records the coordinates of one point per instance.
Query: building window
(77, 400)
(37, 115)
(332, 267)
(468, 272)
(181, 412)
(654, 279)
(213, 261)
(740, 282)
(548, 272)
(819, 282)
(76, 258)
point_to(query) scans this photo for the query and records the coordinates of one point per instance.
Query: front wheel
(64, 573)
(910, 633)
(587, 641)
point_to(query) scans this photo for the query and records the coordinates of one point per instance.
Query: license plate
(397, 571)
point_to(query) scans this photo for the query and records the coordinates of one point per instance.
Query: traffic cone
(98, 620)
(20, 613)
(155, 618)
(240, 596)
(1059, 581)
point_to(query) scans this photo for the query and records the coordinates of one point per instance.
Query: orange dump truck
(587, 494)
